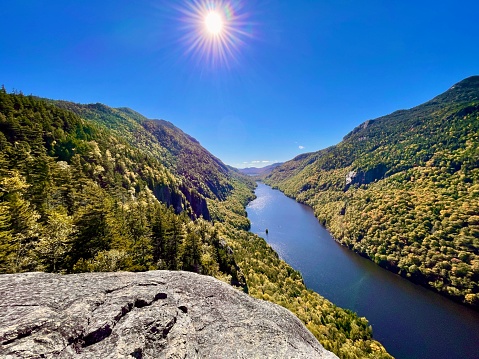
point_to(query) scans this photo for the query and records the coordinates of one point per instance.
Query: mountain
(263, 171)
(180, 153)
(403, 191)
(90, 188)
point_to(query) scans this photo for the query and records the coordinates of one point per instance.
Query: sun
(214, 31)
(214, 23)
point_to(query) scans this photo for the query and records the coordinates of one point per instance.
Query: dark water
(409, 320)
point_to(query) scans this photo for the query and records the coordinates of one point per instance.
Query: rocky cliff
(157, 314)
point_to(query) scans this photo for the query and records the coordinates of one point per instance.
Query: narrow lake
(409, 320)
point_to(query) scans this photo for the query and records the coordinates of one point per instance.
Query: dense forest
(75, 196)
(403, 190)
(92, 188)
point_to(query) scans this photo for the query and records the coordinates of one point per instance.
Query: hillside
(89, 188)
(403, 191)
(180, 153)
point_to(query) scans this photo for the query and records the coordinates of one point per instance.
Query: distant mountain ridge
(402, 190)
(262, 171)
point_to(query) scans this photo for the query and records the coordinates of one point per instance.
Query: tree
(40, 178)
(190, 255)
(6, 247)
(23, 222)
(174, 234)
(158, 232)
(91, 221)
(55, 241)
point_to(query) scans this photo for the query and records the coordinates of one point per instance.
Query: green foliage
(90, 188)
(92, 194)
(232, 210)
(22, 224)
(193, 166)
(402, 190)
(6, 240)
(55, 243)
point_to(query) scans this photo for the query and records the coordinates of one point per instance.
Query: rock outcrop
(365, 177)
(157, 314)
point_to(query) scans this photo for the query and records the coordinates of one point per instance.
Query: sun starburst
(214, 31)
(214, 23)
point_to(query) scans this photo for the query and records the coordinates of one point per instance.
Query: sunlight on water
(259, 203)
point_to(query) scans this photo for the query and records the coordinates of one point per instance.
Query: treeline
(403, 191)
(101, 231)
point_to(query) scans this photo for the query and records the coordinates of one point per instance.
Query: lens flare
(214, 31)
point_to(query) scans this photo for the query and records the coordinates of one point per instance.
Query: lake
(409, 320)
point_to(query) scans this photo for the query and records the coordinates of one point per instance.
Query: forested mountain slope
(96, 193)
(180, 153)
(403, 190)
(91, 188)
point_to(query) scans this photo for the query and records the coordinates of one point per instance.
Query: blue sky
(296, 75)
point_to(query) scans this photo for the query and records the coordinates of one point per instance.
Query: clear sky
(278, 78)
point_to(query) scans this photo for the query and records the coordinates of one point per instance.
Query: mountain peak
(469, 82)
(466, 90)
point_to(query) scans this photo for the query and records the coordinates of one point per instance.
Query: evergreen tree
(190, 255)
(24, 222)
(141, 250)
(158, 233)
(174, 234)
(6, 247)
(118, 231)
(55, 241)
(91, 221)
(40, 178)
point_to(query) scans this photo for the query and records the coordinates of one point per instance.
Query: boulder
(157, 314)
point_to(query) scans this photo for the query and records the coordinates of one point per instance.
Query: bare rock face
(158, 314)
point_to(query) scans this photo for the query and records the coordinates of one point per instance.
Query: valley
(90, 188)
(411, 321)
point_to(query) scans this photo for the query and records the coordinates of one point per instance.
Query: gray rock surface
(157, 314)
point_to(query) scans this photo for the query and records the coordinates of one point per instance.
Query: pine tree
(40, 178)
(23, 224)
(91, 221)
(80, 183)
(6, 247)
(158, 233)
(141, 250)
(174, 233)
(190, 255)
(55, 241)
